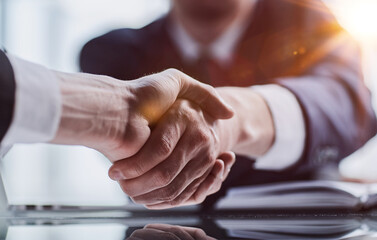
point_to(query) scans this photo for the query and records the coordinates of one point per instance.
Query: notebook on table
(302, 195)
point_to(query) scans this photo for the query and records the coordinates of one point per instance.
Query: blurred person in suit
(39, 105)
(287, 67)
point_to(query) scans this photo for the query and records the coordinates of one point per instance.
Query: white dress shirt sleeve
(37, 105)
(289, 128)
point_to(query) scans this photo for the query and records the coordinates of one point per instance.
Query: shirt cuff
(37, 104)
(289, 128)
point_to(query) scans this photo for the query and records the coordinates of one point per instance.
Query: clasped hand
(159, 131)
(180, 162)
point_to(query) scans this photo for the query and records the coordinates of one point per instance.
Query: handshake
(159, 131)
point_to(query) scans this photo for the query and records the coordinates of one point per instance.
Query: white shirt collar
(221, 49)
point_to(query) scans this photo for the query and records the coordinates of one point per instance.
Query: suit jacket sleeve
(336, 103)
(7, 94)
(337, 110)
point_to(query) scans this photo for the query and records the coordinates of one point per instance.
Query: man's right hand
(114, 117)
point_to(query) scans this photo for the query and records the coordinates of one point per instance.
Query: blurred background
(52, 32)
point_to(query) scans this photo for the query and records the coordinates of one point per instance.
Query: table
(118, 224)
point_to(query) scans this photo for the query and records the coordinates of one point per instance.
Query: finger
(229, 158)
(193, 233)
(193, 170)
(142, 234)
(204, 95)
(198, 233)
(157, 148)
(213, 181)
(202, 187)
(165, 172)
(178, 231)
(210, 185)
(182, 199)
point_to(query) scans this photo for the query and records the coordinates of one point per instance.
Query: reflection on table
(121, 225)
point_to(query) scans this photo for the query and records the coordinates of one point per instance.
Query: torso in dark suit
(7, 94)
(297, 44)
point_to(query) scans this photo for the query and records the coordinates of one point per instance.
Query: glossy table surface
(119, 224)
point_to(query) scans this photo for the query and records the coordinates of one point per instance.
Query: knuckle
(186, 111)
(173, 73)
(168, 194)
(202, 137)
(181, 107)
(183, 113)
(165, 147)
(163, 177)
(208, 160)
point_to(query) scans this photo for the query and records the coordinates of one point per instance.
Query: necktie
(204, 66)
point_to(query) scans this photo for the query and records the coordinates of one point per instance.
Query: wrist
(93, 107)
(251, 131)
(228, 130)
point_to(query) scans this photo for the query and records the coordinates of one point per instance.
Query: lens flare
(359, 17)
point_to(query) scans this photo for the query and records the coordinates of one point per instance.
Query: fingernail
(116, 175)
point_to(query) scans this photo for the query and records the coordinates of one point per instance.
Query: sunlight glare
(359, 17)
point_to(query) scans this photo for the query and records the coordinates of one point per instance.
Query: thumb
(205, 96)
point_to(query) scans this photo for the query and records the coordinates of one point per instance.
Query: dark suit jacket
(294, 43)
(7, 94)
